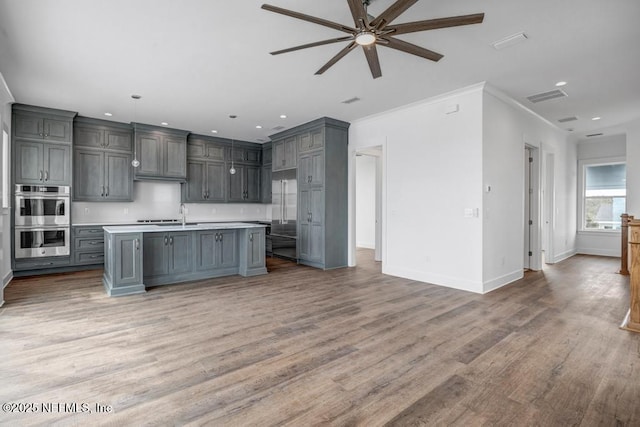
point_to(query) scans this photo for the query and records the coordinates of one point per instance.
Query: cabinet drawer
(88, 244)
(89, 258)
(95, 232)
(33, 264)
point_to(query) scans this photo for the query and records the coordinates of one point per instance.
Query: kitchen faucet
(183, 212)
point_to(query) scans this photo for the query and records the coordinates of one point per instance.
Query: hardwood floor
(303, 347)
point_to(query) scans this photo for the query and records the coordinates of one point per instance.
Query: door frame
(535, 260)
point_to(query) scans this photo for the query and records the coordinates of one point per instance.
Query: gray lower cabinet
(102, 176)
(244, 185)
(311, 224)
(162, 153)
(88, 245)
(123, 264)
(252, 251)
(206, 181)
(216, 249)
(166, 256)
(42, 163)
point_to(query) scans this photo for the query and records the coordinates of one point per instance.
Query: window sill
(610, 233)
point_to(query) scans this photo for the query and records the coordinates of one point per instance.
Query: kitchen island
(137, 256)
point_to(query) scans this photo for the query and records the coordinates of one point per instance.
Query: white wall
(602, 148)
(633, 168)
(432, 172)
(161, 200)
(366, 201)
(6, 99)
(507, 128)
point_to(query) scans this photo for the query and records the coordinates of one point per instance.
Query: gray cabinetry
(102, 161)
(284, 153)
(216, 249)
(244, 185)
(206, 182)
(123, 255)
(42, 123)
(322, 191)
(265, 178)
(88, 245)
(167, 255)
(243, 154)
(162, 153)
(252, 253)
(42, 163)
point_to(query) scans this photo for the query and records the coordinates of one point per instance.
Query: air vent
(278, 128)
(568, 119)
(594, 134)
(547, 96)
(351, 100)
(509, 41)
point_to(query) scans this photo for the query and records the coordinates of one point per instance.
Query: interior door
(528, 193)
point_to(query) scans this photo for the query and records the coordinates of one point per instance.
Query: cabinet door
(175, 161)
(149, 151)
(57, 130)
(267, 154)
(128, 262)
(180, 257)
(304, 212)
(317, 168)
(57, 164)
(278, 155)
(29, 158)
(227, 248)
(311, 223)
(304, 170)
(118, 180)
(216, 180)
(290, 152)
(236, 185)
(252, 184)
(255, 248)
(88, 137)
(88, 179)
(206, 243)
(214, 152)
(265, 185)
(195, 187)
(309, 141)
(155, 254)
(118, 140)
(28, 126)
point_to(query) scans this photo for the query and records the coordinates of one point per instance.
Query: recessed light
(258, 127)
(283, 116)
(559, 84)
(596, 118)
(214, 131)
(164, 124)
(108, 114)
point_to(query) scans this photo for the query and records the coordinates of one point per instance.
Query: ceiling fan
(370, 31)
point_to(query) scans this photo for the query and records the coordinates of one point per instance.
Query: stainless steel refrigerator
(284, 190)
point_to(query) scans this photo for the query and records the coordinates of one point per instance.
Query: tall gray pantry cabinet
(321, 149)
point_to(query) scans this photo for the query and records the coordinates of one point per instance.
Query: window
(604, 195)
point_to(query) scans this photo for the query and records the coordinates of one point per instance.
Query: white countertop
(150, 228)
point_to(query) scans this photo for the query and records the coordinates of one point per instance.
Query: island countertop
(151, 228)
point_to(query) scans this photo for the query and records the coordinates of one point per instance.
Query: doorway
(367, 217)
(532, 253)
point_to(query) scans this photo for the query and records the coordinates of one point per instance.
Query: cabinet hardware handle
(41, 134)
(46, 135)
(251, 237)
(282, 162)
(46, 175)
(40, 179)
(137, 244)
(102, 195)
(93, 256)
(166, 240)
(93, 231)
(93, 243)
(221, 237)
(171, 240)
(106, 194)
(217, 237)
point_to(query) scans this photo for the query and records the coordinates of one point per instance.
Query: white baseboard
(365, 245)
(501, 281)
(564, 255)
(435, 279)
(7, 279)
(600, 252)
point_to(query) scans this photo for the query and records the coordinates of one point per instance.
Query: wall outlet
(126, 211)
(86, 210)
(214, 210)
(241, 211)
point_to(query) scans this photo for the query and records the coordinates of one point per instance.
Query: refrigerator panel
(284, 187)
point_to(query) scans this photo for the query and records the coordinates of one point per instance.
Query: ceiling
(195, 62)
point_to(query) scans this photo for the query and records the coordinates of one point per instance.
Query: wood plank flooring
(304, 347)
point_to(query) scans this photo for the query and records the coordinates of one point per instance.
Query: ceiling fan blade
(309, 18)
(337, 58)
(320, 43)
(409, 48)
(372, 58)
(359, 13)
(392, 13)
(433, 24)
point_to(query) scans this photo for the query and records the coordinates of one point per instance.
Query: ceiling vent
(568, 119)
(278, 128)
(545, 96)
(509, 41)
(351, 100)
(594, 134)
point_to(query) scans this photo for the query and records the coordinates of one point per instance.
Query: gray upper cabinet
(206, 182)
(284, 153)
(42, 163)
(246, 155)
(102, 161)
(265, 178)
(244, 185)
(162, 153)
(42, 145)
(322, 150)
(203, 150)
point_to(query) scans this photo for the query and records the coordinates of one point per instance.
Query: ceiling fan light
(365, 38)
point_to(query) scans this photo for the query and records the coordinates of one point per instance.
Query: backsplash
(161, 200)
